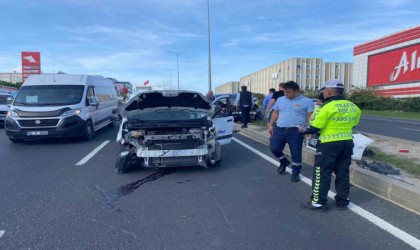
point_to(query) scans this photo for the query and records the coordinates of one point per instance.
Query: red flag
(146, 82)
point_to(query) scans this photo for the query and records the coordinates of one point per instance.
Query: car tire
(15, 140)
(89, 131)
(122, 163)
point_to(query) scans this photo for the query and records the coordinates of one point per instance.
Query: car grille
(3, 112)
(175, 161)
(38, 123)
(173, 145)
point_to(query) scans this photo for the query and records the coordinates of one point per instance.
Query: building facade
(309, 73)
(390, 64)
(229, 87)
(11, 77)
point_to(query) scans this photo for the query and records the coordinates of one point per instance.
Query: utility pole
(177, 63)
(208, 29)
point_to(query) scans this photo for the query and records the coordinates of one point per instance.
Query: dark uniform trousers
(245, 114)
(332, 157)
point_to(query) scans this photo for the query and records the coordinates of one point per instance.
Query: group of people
(291, 116)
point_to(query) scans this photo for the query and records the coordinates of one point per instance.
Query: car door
(223, 119)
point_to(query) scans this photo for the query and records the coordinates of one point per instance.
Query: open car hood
(172, 99)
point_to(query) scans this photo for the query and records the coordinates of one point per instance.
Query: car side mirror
(93, 101)
(9, 101)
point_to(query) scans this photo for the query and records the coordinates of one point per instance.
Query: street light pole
(177, 63)
(208, 29)
(170, 79)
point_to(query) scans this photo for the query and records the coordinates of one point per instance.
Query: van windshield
(49, 95)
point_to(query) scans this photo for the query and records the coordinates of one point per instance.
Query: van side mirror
(9, 101)
(93, 101)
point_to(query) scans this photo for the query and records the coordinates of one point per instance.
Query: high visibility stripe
(315, 191)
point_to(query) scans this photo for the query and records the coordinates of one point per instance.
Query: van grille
(38, 123)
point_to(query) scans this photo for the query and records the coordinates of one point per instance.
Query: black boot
(284, 162)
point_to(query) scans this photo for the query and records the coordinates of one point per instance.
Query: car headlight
(12, 113)
(71, 112)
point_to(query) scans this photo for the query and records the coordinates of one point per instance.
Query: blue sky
(129, 39)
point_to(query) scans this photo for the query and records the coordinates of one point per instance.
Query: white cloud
(231, 43)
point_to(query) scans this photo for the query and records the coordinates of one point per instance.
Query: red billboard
(394, 67)
(31, 64)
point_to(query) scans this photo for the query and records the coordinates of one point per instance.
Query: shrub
(368, 99)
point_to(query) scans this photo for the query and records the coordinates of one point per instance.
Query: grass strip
(408, 165)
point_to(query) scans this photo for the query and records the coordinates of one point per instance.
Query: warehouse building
(309, 73)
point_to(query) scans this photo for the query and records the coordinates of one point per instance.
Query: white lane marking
(2, 233)
(91, 154)
(407, 238)
(411, 129)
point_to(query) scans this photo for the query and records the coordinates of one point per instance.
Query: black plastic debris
(379, 167)
(368, 152)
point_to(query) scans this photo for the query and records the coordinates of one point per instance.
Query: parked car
(61, 105)
(3, 106)
(173, 128)
(255, 114)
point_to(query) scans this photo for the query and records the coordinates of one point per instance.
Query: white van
(61, 105)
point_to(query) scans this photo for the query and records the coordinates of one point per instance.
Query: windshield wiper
(46, 104)
(25, 103)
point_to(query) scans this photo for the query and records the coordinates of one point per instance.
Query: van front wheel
(89, 131)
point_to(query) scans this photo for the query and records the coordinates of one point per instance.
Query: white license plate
(30, 133)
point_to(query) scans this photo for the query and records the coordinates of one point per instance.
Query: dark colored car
(3, 106)
(255, 113)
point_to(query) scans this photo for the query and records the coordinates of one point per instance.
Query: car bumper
(71, 126)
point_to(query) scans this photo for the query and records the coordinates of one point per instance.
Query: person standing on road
(245, 101)
(289, 113)
(276, 95)
(334, 121)
(210, 96)
(268, 98)
(124, 92)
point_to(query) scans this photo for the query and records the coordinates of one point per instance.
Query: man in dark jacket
(245, 101)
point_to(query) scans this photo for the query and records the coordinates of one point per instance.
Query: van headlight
(12, 113)
(71, 112)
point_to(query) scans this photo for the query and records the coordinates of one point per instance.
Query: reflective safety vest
(336, 119)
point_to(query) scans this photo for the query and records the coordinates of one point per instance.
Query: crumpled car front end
(170, 129)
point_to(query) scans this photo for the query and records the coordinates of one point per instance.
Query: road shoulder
(401, 193)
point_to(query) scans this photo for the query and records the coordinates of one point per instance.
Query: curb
(383, 186)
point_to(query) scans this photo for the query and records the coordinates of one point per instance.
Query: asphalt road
(49, 202)
(398, 128)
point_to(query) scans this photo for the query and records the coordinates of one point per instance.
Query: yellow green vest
(336, 119)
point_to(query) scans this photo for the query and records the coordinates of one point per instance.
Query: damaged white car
(173, 129)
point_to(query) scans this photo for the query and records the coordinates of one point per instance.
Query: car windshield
(167, 115)
(49, 95)
(3, 99)
(231, 96)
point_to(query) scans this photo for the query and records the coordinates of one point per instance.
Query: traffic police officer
(334, 121)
